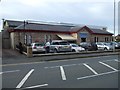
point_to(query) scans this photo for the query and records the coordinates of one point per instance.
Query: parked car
(38, 47)
(89, 46)
(116, 45)
(59, 46)
(76, 48)
(104, 46)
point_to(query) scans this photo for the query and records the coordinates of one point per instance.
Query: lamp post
(114, 26)
(114, 18)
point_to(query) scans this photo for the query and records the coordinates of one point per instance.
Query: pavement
(10, 56)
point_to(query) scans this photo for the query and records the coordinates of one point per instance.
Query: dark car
(89, 46)
(115, 44)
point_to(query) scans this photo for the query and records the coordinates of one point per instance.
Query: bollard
(29, 51)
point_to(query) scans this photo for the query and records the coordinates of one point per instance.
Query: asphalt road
(93, 72)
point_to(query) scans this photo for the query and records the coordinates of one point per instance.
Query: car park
(38, 47)
(89, 46)
(76, 48)
(104, 46)
(59, 46)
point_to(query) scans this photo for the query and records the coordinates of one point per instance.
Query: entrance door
(83, 39)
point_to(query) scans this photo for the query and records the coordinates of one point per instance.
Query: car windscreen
(75, 45)
(38, 44)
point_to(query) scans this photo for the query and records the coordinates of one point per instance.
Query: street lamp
(114, 27)
(114, 19)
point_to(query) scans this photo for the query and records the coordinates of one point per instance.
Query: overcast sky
(89, 12)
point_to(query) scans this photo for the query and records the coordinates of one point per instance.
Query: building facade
(29, 32)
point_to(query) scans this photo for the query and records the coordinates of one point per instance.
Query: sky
(87, 12)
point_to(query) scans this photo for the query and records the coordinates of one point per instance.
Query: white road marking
(36, 86)
(9, 71)
(25, 78)
(52, 67)
(97, 75)
(62, 73)
(108, 60)
(116, 60)
(91, 69)
(69, 65)
(108, 66)
(62, 65)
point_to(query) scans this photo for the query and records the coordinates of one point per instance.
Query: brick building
(28, 32)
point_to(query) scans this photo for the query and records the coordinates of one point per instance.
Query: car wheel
(55, 51)
(105, 48)
(73, 50)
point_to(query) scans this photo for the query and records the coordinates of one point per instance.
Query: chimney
(104, 29)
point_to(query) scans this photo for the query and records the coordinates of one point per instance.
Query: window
(94, 39)
(55, 43)
(106, 39)
(29, 39)
(64, 43)
(97, 39)
(46, 38)
(50, 38)
(25, 39)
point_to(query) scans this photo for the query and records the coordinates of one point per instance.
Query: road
(92, 72)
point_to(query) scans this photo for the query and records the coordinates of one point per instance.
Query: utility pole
(114, 26)
(114, 18)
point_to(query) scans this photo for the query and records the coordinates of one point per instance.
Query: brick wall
(41, 37)
(36, 37)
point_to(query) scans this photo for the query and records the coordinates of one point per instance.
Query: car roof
(59, 41)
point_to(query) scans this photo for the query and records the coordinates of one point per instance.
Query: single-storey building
(28, 32)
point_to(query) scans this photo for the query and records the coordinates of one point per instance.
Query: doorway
(83, 39)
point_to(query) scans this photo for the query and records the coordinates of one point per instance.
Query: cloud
(95, 12)
(33, 3)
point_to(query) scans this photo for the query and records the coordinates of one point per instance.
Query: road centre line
(108, 66)
(90, 69)
(52, 67)
(9, 71)
(62, 65)
(96, 75)
(62, 73)
(25, 78)
(35, 86)
(73, 64)
(109, 60)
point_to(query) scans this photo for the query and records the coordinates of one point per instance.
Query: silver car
(104, 46)
(38, 47)
(60, 46)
